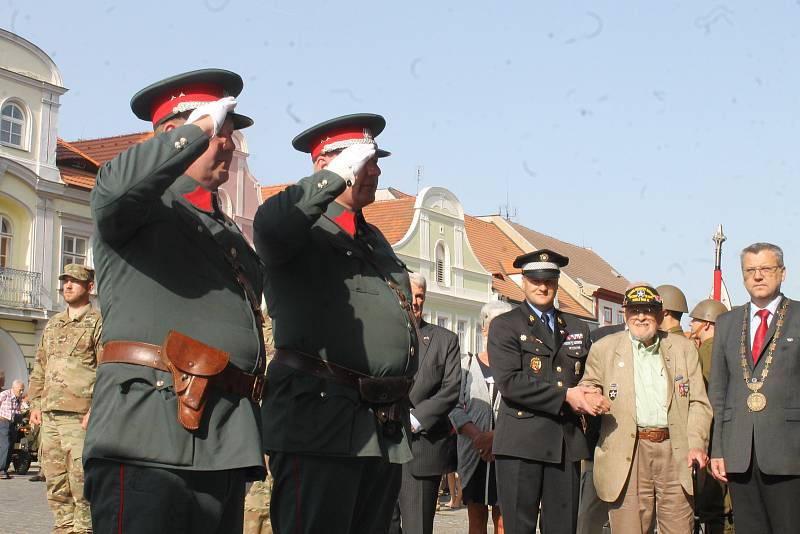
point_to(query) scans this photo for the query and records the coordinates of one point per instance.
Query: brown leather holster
(192, 365)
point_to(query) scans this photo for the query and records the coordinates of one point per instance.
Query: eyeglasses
(751, 271)
(647, 310)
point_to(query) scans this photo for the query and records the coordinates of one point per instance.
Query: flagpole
(718, 239)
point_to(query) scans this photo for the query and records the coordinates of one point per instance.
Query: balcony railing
(20, 289)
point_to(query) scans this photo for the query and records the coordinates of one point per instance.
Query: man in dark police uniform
(174, 430)
(345, 337)
(538, 355)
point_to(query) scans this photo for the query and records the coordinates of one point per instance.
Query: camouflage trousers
(256, 508)
(62, 453)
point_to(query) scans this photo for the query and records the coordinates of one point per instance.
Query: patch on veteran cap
(642, 295)
(78, 272)
(161, 101)
(340, 133)
(543, 264)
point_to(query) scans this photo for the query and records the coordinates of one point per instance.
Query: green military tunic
(161, 266)
(704, 351)
(326, 299)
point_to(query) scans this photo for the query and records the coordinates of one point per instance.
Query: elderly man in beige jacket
(658, 423)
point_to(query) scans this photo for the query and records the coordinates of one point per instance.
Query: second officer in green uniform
(336, 420)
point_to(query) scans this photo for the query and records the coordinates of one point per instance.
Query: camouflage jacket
(66, 361)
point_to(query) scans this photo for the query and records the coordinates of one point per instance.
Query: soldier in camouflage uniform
(61, 387)
(256, 503)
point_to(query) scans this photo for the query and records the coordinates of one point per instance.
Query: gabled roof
(584, 263)
(66, 152)
(106, 148)
(494, 249)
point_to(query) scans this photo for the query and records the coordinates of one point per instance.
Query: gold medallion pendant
(756, 401)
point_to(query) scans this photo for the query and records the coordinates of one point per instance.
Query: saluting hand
(216, 111)
(350, 161)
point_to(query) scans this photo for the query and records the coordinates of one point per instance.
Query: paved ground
(23, 509)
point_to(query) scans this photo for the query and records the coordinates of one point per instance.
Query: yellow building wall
(24, 333)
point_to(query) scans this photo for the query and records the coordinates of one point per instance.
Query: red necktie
(761, 334)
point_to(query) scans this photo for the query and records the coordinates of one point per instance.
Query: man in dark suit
(753, 390)
(433, 396)
(538, 355)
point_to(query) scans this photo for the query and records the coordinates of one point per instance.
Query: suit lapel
(626, 387)
(771, 332)
(425, 343)
(537, 328)
(560, 330)
(665, 350)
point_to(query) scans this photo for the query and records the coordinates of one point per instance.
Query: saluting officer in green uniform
(336, 424)
(175, 427)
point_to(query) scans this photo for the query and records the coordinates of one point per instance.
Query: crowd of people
(155, 417)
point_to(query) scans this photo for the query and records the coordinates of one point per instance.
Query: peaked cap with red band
(341, 132)
(163, 100)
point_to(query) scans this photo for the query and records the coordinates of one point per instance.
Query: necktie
(546, 321)
(761, 335)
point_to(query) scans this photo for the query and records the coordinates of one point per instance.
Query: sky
(632, 128)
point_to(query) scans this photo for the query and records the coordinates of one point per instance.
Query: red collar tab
(347, 222)
(200, 198)
(185, 98)
(340, 138)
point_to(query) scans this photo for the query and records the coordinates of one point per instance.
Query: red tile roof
(568, 304)
(494, 249)
(269, 190)
(106, 148)
(392, 217)
(66, 152)
(505, 286)
(78, 178)
(584, 263)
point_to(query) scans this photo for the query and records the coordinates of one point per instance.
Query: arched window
(12, 125)
(6, 235)
(442, 265)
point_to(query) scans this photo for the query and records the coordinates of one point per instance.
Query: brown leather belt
(230, 380)
(320, 368)
(656, 435)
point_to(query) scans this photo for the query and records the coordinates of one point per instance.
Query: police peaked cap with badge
(542, 264)
(642, 295)
(164, 100)
(339, 133)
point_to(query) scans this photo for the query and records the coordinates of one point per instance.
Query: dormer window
(12, 125)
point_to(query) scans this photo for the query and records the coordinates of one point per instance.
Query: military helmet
(673, 298)
(708, 310)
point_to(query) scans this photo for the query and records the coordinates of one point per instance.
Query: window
(620, 318)
(73, 250)
(607, 317)
(443, 321)
(478, 341)
(6, 234)
(461, 331)
(12, 125)
(442, 269)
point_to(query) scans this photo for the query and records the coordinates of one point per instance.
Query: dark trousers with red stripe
(313, 494)
(131, 499)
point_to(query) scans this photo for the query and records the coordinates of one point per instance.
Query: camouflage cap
(78, 272)
(642, 295)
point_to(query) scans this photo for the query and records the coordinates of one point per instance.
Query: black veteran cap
(642, 295)
(163, 100)
(543, 264)
(341, 132)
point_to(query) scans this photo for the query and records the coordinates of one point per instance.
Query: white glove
(351, 160)
(217, 110)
